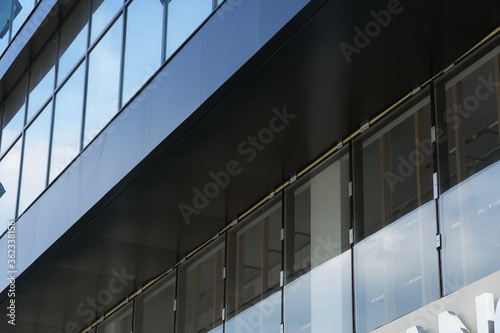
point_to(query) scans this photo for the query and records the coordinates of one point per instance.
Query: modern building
(249, 166)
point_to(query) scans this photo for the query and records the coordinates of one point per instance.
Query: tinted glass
(42, 76)
(22, 8)
(103, 82)
(35, 158)
(184, 16)
(119, 322)
(397, 269)
(201, 291)
(254, 267)
(142, 55)
(393, 168)
(318, 288)
(67, 129)
(154, 309)
(9, 177)
(73, 40)
(14, 112)
(102, 13)
(469, 108)
(5, 15)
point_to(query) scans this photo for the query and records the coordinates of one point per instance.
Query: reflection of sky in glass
(103, 11)
(14, 105)
(143, 44)
(27, 6)
(184, 16)
(9, 177)
(263, 317)
(42, 76)
(103, 82)
(397, 269)
(35, 158)
(67, 122)
(73, 41)
(320, 299)
(470, 214)
(5, 15)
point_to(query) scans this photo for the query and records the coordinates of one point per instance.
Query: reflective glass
(42, 76)
(184, 16)
(397, 269)
(154, 309)
(73, 40)
(5, 15)
(470, 224)
(201, 291)
(254, 266)
(119, 322)
(67, 127)
(318, 284)
(102, 13)
(14, 112)
(142, 54)
(35, 158)
(103, 82)
(393, 168)
(469, 109)
(9, 177)
(23, 9)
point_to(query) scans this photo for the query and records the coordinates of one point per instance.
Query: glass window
(14, 111)
(103, 82)
(184, 16)
(469, 108)
(254, 268)
(142, 55)
(35, 158)
(397, 269)
(154, 309)
(9, 177)
(103, 12)
(73, 43)
(5, 19)
(393, 168)
(318, 257)
(67, 127)
(42, 76)
(23, 9)
(201, 291)
(119, 322)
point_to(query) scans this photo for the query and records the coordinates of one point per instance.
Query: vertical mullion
(11, 20)
(164, 34)
(354, 231)
(497, 90)
(122, 58)
(23, 138)
(86, 76)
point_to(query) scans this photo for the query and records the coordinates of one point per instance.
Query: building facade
(249, 166)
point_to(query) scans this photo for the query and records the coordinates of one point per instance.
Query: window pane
(9, 177)
(393, 168)
(42, 76)
(201, 291)
(469, 107)
(103, 82)
(102, 13)
(119, 322)
(254, 266)
(23, 9)
(318, 288)
(14, 111)
(73, 42)
(67, 122)
(396, 269)
(184, 16)
(5, 15)
(469, 217)
(142, 55)
(154, 310)
(35, 158)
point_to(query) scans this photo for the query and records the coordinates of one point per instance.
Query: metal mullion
(122, 59)
(86, 77)
(282, 288)
(11, 21)
(352, 227)
(164, 34)
(2, 109)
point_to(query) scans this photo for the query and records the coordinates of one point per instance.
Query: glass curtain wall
(318, 252)
(469, 101)
(254, 268)
(119, 322)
